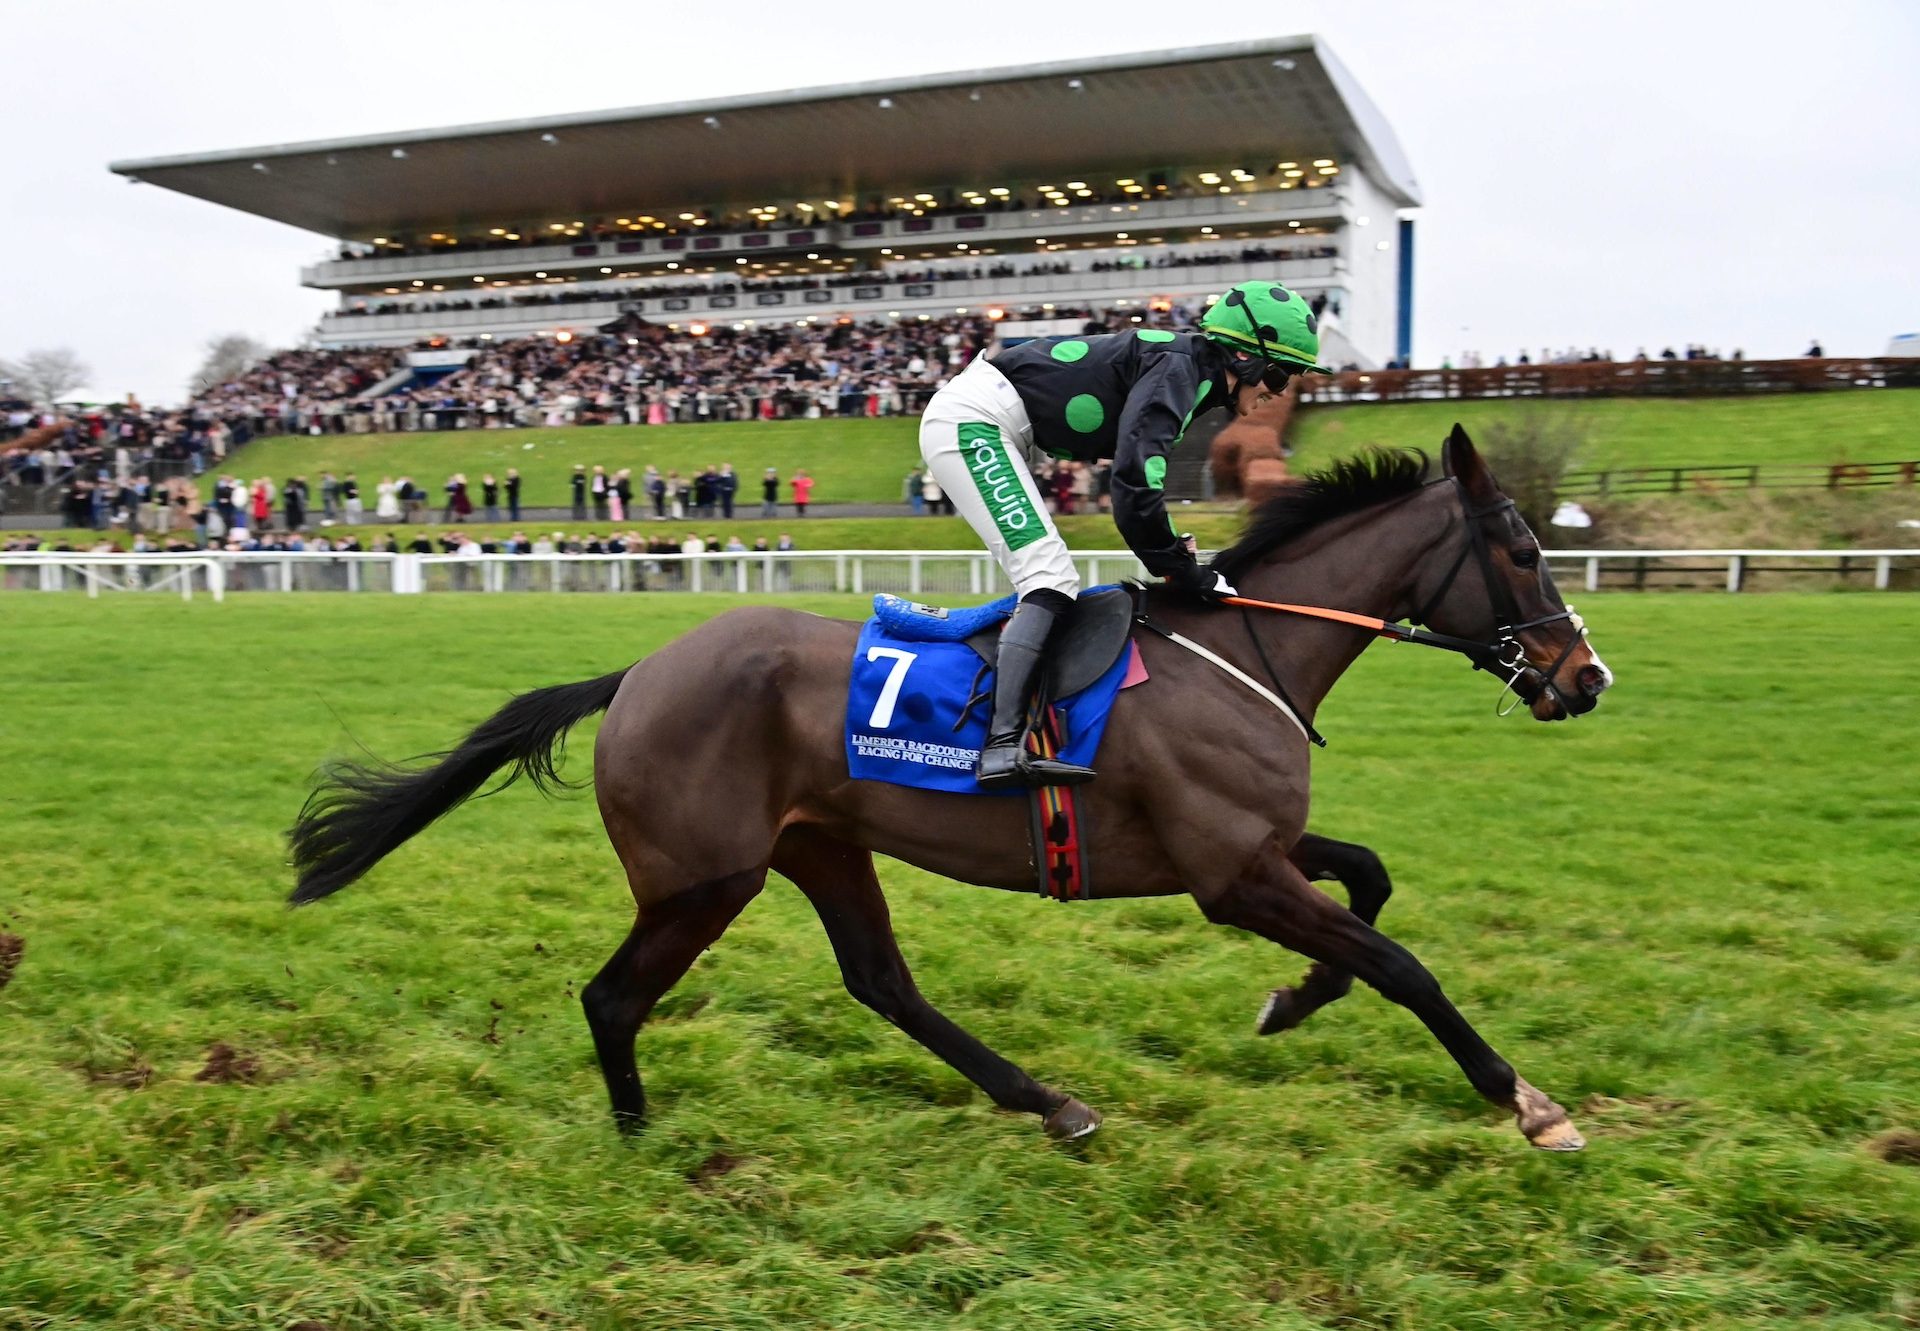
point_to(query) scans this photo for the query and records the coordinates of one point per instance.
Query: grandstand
(1138, 181)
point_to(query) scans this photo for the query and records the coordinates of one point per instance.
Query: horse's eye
(1526, 557)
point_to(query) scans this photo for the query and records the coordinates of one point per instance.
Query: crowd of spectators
(730, 285)
(113, 465)
(653, 376)
(1473, 360)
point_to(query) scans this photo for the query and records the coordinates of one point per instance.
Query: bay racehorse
(722, 757)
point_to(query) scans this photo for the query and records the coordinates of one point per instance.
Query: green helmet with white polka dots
(1265, 320)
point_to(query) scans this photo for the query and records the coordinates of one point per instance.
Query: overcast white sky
(1619, 174)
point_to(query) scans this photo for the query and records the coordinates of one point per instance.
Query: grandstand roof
(1243, 102)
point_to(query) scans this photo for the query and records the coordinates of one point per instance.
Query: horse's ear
(1462, 461)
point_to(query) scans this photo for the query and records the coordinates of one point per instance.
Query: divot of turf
(12, 948)
(1898, 1147)
(226, 1064)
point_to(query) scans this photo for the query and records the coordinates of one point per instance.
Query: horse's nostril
(1592, 680)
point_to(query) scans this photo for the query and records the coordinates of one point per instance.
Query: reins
(1504, 654)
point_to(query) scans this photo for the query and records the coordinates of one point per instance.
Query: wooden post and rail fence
(1244, 457)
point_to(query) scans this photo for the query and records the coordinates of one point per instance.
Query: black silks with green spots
(1126, 396)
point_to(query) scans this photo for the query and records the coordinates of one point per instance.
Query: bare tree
(45, 376)
(227, 359)
(1531, 451)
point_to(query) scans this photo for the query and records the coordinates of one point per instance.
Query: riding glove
(1200, 582)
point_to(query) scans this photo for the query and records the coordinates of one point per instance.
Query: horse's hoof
(1281, 1013)
(1543, 1122)
(1072, 1121)
(1561, 1136)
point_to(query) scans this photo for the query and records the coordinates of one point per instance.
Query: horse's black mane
(1347, 486)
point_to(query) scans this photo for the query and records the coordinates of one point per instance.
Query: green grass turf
(852, 461)
(1867, 426)
(1690, 918)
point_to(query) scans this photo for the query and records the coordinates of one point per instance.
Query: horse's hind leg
(666, 939)
(839, 880)
(1358, 870)
(1271, 897)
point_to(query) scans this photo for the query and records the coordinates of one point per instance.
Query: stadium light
(539, 274)
(1283, 63)
(549, 139)
(999, 191)
(262, 168)
(885, 103)
(399, 154)
(563, 336)
(711, 122)
(606, 270)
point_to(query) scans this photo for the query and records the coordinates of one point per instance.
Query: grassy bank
(1689, 918)
(1865, 426)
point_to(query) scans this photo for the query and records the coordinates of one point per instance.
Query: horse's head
(1488, 582)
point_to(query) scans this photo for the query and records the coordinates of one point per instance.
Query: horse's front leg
(1358, 870)
(1272, 898)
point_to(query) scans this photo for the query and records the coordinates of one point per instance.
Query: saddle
(1087, 641)
(1082, 650)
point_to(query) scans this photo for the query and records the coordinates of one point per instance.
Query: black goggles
(1271, 374)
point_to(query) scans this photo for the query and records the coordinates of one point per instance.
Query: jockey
(1126, 396)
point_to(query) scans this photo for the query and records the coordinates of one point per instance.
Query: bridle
(1502, 654)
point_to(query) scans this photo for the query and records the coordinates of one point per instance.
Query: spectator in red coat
(802, 492)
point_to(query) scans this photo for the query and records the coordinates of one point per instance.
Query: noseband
(1504, 655)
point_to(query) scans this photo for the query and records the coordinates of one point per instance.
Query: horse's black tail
(362, 811)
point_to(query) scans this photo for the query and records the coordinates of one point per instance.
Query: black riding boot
(1004, 762)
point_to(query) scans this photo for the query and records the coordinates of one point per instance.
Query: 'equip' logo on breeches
(1000, 485)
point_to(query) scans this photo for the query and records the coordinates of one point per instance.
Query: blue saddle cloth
(913, 675)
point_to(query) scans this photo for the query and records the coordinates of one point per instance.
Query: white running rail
(934, 574)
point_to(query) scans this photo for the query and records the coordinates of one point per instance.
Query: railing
(868, 298)
(650, 250)
(1653, 378)
(94, 573)
(933, 574)
(1627, 481)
